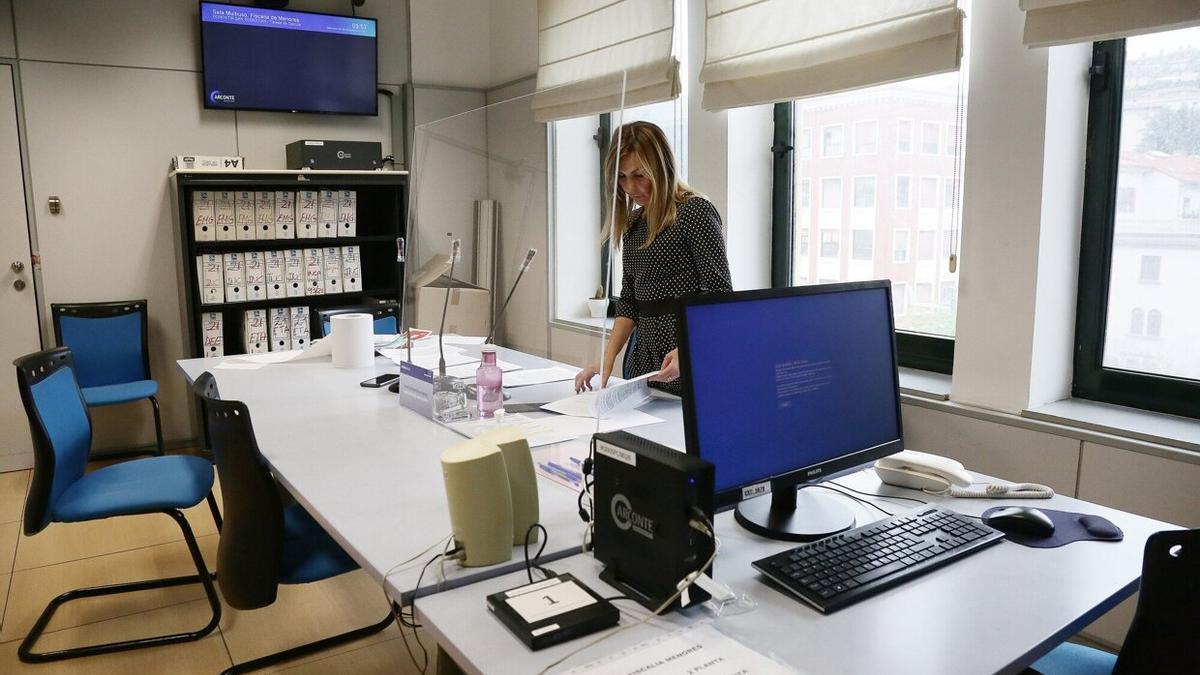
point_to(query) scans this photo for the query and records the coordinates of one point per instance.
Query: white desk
(995, 611)
(368, 469)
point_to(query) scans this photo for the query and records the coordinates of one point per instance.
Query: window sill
(584, 324)
(1131, 423)
(924, 384)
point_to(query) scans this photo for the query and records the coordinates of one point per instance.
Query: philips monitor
(274, 59)
(785, 387)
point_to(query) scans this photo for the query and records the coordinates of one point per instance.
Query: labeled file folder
(256, 276)
(351, 270)
(327, 214)
(314, 272)
(255, 331)
(223, 215)
(348, 213)
(285, 214)
(243, 214)
(210, 277)
(293, 272)
(306, 214)
(281, 328)
(276, 279)
(264, 215)
(332, 266)
(235, 278)
(212, 328)
(203, 215)
(299, 327)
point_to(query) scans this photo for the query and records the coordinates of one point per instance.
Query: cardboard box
(293, 272)
(285, 214)
(235, 277)
(264, 214)
(276, 279)
(210, 277)
(314, 272)
(223, 215)
(332, 262)
(306, 214)
(243, 214)
(327, 213)
(348, 213)
(469, 311)
(214, 333)
(300, 327)
(255, 332)
(280, 319)
(256, 275)
(203, 215)
(351, 270)
(209, 162)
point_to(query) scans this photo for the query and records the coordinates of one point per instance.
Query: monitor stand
(794, 515)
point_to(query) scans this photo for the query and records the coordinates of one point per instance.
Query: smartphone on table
(379, 381)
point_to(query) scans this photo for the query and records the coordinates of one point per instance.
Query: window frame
(855, 125)
(842, 150)
(1092, 380)
(896, 193)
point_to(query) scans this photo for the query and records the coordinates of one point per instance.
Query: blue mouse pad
(1068, 527)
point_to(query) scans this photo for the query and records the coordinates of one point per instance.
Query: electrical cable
(872, 494)
(530, 566)
(857, 499)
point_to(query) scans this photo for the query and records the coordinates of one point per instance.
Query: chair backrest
(251, 544)
(1166, 625)
(385, 317)
(108, 340)
(60, 426)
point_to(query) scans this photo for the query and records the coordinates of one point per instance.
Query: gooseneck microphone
(529, 255)
(455, 251)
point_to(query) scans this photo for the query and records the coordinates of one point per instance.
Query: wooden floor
(65, 556)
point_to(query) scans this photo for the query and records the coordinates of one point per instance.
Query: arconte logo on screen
(217, 97)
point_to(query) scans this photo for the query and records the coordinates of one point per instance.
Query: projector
(335, 155)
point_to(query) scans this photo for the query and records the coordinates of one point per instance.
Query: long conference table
(368, 470)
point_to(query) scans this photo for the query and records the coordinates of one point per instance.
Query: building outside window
(866, 137)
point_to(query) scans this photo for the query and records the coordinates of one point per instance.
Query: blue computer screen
(268, 59)
(785, 383)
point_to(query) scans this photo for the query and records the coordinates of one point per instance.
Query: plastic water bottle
(489, 383)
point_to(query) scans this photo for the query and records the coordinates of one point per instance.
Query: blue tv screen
(272, 59)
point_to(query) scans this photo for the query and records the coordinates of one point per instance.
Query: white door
(17, 303)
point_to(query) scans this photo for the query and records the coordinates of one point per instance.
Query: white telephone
(944, 476)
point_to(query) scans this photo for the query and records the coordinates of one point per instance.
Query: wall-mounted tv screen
(271, 59)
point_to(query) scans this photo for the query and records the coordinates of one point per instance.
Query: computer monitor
(789, 386)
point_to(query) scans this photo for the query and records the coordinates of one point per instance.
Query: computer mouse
(1021, 520)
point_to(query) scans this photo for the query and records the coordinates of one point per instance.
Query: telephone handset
(944, 476)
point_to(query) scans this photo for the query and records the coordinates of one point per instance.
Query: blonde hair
(647, 143)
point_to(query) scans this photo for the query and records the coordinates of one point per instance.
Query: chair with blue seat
(263, 542)
(112, 354)
(385, 317)
(61, 492)
(1166, 624)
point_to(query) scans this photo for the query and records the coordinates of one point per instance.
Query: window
(925, 244)
(948, 293)
(1190, 208)
(806, 143)
(931, 137)
(950, 193)
(831, 141)
(903, 192)
(1139, 252)
(862, 244)
(866, 137)
(864, 192)
(923, 292)
(904, 137)
(829, 243)
(953, 139)
(947, 244)
(805, 193)
(899, 298)
(929, 192)
(900, 246)
(831, 193)
(1151, 265)
(802, 244)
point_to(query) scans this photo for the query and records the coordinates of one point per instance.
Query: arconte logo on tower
(627, 519)
(217, 97)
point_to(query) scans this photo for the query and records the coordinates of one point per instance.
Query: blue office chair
(264, 543)
(61, 492)
(112, 354)
(1162, 637)
(385, 317)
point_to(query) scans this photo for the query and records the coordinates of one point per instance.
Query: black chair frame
(104, 310)
(31, 370)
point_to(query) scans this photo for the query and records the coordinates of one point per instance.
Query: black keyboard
(842, 569)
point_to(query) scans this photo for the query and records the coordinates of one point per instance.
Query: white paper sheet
(428, 358)
(468, 370)
(548, 429)
(532, 376)
(700, 648)
(605, 402)
(234, 364)
(462, 340)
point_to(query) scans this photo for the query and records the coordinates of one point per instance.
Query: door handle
(17, 266)
(19, 284)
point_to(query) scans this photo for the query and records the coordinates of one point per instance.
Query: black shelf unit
(381, 216)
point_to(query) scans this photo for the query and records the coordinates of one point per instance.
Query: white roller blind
(1059, 22)
(763, 51)
(584, 46)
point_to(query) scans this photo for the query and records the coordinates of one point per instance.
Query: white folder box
(306, 214)
(223, 216)
(276, 279)
(256, 275)
(280, 321)
(285, 214)
(300, 327)
(243, 213)
(264, 215)
(204, 215)
(332, 265)
(314, 272)
(351, 269)
(235, 278)
(327, 213)
(212, 326)
(210, 278)
(293, 272)
(348, 213)
(254, 333)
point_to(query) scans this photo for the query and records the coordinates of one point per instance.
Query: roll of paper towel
(353, 340)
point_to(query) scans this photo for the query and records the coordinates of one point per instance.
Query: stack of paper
(605, 403)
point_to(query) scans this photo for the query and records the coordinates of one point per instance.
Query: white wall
(473, 44)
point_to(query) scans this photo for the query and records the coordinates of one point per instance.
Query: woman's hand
(583, 380)
(669, 370)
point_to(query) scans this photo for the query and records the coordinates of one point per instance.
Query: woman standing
(672, 245)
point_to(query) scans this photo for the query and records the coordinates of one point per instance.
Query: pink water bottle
(489, 383)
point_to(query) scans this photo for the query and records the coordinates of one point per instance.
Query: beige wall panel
(146, 33)
(392, 34)
(451, 43)
(108, 162)
(514, 40)
(995, 449)
(8, 43)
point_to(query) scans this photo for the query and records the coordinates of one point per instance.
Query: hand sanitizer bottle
(489, 383)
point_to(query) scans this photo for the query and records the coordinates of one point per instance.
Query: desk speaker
(480, 500)
(522, 482)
